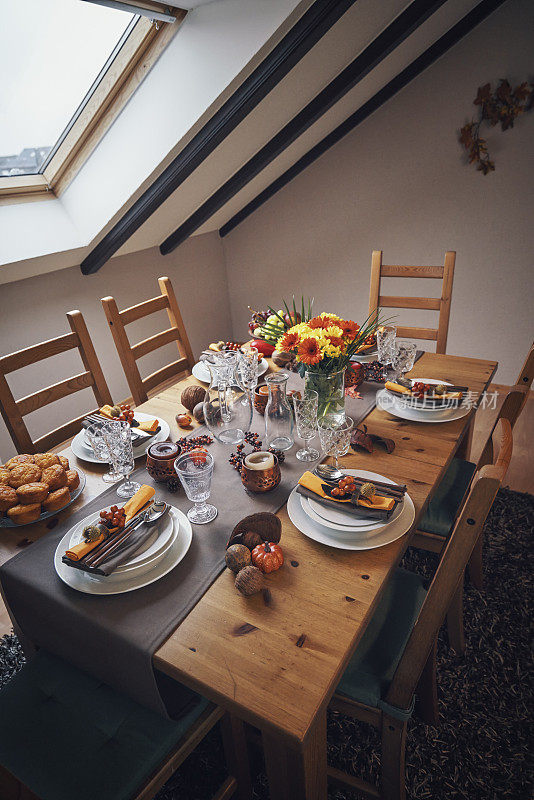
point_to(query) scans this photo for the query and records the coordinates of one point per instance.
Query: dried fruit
(198, 412)
(367, 490)
(183, 420)
(249, 581)
(237, 557)
(192, 396)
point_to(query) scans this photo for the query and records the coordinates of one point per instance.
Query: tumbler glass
(306, 420)
(335, 439)
(248, 368)
(403, 357)
(100, 449)
(385, 341)
(118, 437)
(195, 470)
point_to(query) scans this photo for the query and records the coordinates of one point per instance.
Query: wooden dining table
(275, 659)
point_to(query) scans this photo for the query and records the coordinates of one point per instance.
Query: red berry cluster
(231, 346)
(114, 518)
(194, 442)
(127, 413)
(419, 389)
(374, 371)
(346, 486)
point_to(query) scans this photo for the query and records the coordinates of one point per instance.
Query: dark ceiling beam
(448, 40)
(306, 32)
(409, 20)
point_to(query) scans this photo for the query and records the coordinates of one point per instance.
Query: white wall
(33, 310)
(399, 182)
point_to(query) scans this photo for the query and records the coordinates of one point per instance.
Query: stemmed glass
(306, 419)
(100, 449)
(385, 341)
(403, 357)
(195, 470)
(118, 437)
(248, 368)
(335, 439)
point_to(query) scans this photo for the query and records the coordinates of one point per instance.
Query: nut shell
(367, 490)
(249, 581)
(192, 396)
(237, 557)
(198, 412)
(282, 359)
(265, 524)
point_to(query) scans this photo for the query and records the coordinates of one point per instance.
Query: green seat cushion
(67, 736)
(371, 669)
(443, 509)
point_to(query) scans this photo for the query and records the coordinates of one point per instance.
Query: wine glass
(248, 368)
(195, 470)
(118, 437)
(335, 439)
(385, 341)
(306, 419)
(403, 357)
(100, 449)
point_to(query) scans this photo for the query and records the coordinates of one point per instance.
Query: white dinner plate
(85, 453)
(118, 584)
(370, 540)
(341, 520)
(155, 546)
(386, 402)
(414, 403)
(202, 373)
(366, 357)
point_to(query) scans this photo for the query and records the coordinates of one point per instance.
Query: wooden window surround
(138, 54)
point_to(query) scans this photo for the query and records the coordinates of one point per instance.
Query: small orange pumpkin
(268, 556)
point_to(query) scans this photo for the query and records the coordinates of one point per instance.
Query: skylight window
(51, 54)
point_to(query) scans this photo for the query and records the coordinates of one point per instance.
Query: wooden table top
(283, 670)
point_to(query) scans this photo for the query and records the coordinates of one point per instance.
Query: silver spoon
(328, 473)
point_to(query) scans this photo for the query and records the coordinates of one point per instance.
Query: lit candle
(263, 390)
(259, 461)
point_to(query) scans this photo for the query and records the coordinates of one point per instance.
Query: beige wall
(34, 309)
(399, 183)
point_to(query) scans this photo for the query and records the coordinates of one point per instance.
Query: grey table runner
(114, 637)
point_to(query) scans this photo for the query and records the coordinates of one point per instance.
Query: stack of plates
(83, 450)
(410, 409)
(163, 550)
(340, 529)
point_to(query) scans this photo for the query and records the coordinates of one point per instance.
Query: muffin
(8, 497)
(32, 493)
(64, 462)
(57, 499)
(16, 460)
(55, 476)
(4, 475)
(21, 515)
(73, 479)
(25, 473)
(45, 460)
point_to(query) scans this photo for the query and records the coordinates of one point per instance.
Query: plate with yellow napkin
(82, 450)
(356, 540)
(339, 519)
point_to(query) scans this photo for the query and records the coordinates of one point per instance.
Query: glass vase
(330, 388)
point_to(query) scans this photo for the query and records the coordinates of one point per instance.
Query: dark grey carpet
(480, 751)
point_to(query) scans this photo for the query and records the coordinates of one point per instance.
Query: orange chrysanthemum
(316, 322)
(289, 341)
(349, 328)
(336, 341)
(309, 351)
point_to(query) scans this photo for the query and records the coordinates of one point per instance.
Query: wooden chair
(129, 354)
(395, 659)
(14, 411)
(65, 735)
(442, 304)
(527, 371)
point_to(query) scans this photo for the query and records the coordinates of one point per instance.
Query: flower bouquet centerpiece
(323, 347)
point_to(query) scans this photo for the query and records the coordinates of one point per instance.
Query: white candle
(259, 460)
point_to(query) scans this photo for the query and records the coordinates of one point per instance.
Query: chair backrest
(14, 411)
(450, 571)
(129, 354)
(527, 371)
(510, 410)
(441, 304)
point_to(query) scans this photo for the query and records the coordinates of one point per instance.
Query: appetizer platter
(34, 487)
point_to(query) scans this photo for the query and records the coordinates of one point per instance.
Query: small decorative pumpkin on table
(268, 557)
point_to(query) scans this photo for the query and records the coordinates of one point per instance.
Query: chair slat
(38, 352)
(154, 342)
(418, 333)
(164, 373)
(59, 435)
(400, 271)
(432, 303)
(44, 397)
(143, 309)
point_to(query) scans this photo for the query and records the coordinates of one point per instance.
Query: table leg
(297, 773)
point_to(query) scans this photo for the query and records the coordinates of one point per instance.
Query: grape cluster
(194, 441)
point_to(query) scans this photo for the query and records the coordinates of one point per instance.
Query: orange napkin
(143, 496)
(149, 426)
(314, 484)
(80, 550)
(396, 387)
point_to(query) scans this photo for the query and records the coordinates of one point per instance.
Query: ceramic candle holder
(261, 396)
(160, 458)
(259, 478)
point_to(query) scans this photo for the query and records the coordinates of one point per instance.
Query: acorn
(115, 411)
(249, 581)
(439, 389)
(367, 490)
(237, 557)
(198, 412)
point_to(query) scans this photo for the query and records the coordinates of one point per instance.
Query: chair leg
(475, 565)
(455, 620)
(427, 690)
(236, 754)
(392, 782)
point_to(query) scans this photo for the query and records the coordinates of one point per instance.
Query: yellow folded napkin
(80, 550)
(314, 484)
(396, 387)
(143, 496)
(149, 426)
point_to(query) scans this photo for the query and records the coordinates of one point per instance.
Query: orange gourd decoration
(268, 556)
